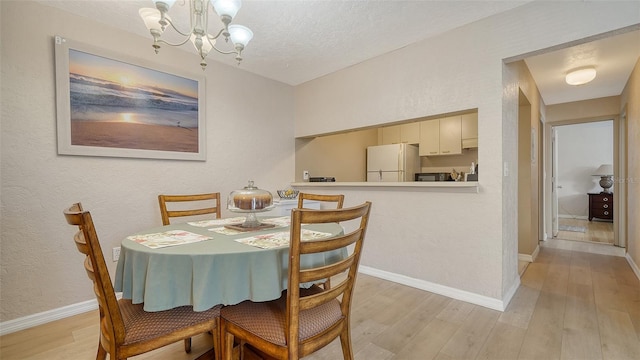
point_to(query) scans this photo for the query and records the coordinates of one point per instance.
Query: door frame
(619, 144)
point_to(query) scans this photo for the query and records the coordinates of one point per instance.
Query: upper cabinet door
(429, 138)
(470, 126)
(391, 135)
(405, 133)
(450, 135)
(410, 133)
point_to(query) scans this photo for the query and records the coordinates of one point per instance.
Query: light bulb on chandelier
(157, 20)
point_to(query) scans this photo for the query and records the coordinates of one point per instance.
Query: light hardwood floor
(595, 231)
(570, 305)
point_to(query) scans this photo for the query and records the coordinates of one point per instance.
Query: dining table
(210, 262)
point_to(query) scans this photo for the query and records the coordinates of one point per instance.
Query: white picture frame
(110, 104)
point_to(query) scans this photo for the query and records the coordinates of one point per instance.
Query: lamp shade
(604, 170)
(151, 18)
(226, 7)
(240, 34)
(167, 3)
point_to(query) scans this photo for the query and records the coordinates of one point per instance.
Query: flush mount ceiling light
(156, 20)
(581, 76)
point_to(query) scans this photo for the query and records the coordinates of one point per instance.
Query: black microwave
(433, 177)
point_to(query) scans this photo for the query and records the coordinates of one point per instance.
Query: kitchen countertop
(467, 186)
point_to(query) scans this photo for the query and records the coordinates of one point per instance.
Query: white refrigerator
(394, 162)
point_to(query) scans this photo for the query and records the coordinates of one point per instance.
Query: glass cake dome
(250, 200)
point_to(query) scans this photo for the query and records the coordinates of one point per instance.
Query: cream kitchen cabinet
(441, 136)
(429, 138)
(404, 133)
(390, 134)
(469, 130)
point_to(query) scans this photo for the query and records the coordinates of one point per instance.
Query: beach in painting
(134, 136)
(119, 105)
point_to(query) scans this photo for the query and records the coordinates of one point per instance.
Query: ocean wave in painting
(94, 99)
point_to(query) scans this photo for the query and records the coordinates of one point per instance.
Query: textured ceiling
(299, 40)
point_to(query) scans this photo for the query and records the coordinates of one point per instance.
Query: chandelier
(157, 20)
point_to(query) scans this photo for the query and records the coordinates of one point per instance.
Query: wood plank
(544, 336)
(606, 291)
(520, 309)
(468, 340)
(428, 342)
(456, 311)
(504, 342)
(406, 328)
(581, 336)
(619, 339)
(373, 352)
(535, 274)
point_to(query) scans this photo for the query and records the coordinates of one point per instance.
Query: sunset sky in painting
(129, 75)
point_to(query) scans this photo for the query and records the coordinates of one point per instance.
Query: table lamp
(605, 171)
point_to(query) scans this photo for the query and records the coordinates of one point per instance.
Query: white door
(554, 184)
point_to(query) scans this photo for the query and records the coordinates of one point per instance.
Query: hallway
(591, 231)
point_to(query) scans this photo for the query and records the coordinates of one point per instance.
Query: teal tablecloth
(211, 272)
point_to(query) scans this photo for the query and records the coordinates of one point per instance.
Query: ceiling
(299, 40)
(613, 58)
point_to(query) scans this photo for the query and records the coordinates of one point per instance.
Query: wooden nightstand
(601, 206)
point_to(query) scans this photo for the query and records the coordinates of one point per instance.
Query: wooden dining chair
(302, 321)
(211, 201)
(125, 328)
(338, 199)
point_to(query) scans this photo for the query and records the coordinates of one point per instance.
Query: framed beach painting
(110, 104)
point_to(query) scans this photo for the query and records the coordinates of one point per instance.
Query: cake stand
(251, 222)
(250, 200)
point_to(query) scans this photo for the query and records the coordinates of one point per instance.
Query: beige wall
(583, 110)
(462, 241)
(630, 100)
(530, 109)
(41, 268)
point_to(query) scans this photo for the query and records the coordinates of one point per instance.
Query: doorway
(578, 150)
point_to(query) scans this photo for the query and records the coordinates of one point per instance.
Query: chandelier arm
(211, 37)
(178, 31)
(176, 44)
(224, 52)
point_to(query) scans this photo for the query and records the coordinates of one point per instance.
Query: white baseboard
(530, 258)
(454, 293)
(509, 295)
(44, 317)
(633, 265)
(30, 321)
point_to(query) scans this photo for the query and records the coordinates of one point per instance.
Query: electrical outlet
(116, 253)
(305, 174)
